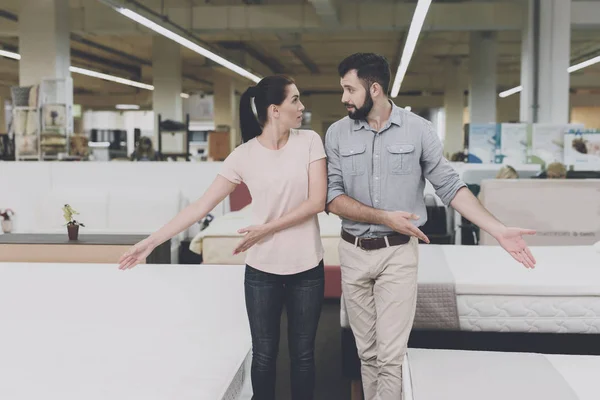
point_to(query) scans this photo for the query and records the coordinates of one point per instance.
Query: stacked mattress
(482, 288)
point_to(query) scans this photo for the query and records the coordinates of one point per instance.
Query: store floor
(330, 384)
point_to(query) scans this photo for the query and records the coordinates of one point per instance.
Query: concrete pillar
(225, 106)
(554, 59)
(482, 73)
(453, 108)
(167, 81)
(545, 63)
(528, 93)
(44, 43)
(3, 112)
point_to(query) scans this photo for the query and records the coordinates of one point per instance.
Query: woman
(145, 151)
(507, 172)
(556, 170)
(285, 171)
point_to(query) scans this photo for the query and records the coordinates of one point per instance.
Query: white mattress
(90, 331)
(217, 242)
(469, 375)
(495, 293)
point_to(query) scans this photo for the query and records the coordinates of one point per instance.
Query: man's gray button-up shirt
(387, 169)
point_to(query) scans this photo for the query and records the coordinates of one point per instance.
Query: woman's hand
(254, 234)
(136, 254)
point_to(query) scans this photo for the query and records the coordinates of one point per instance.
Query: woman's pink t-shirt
(278, 183)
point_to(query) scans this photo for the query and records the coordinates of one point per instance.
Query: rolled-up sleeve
(436, 169)
(335, 181)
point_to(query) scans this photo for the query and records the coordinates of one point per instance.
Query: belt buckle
(359, 242)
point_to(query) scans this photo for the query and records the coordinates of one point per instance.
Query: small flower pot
(7, 226)
(73, 231)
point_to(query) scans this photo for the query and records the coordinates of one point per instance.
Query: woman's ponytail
(248, 120)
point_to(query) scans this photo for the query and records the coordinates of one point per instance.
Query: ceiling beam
(327, 12)
(94, 18)
(270, 62)
(435, 82)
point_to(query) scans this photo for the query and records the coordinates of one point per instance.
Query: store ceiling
(303, 38)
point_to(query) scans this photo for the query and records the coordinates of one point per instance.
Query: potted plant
(6, 221)
(72, 224)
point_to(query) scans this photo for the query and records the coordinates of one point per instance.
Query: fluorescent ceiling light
(411, 42)
(95, 74)
(584, 64)
(509, 92)
(127, 107)
(10, 54)
(111, 78)
(571, 69)
(187, 43)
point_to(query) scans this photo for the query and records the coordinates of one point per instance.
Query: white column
(547, 35)
(554, 58)
(225, 107)
(482, 72)
(167, 81)
(527, 106)
(44, 42)
(453, 108)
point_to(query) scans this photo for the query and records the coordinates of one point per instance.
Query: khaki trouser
(380, 294)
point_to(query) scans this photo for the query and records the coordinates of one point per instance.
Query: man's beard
(362, 112)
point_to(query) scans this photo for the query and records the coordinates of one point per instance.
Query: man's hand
(511, 240)
(400, 221)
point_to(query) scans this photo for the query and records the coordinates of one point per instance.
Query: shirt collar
(395, 118)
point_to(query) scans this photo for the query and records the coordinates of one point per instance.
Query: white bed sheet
(495, 293)
(470, 375)
(90, 331)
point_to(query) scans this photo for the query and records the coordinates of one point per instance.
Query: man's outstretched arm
(510, 238)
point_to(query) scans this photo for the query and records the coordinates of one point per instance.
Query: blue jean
(266, 295)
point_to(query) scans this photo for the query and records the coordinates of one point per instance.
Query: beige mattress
(217, 242)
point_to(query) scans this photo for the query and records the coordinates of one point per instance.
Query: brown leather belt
(395, 239)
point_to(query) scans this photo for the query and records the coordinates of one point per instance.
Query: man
(378, 159)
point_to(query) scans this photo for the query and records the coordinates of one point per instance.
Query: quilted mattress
(495, 293)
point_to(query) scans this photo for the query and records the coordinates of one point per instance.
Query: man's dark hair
(370, 67)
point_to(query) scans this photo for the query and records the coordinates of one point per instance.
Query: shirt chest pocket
(401, 158)
(353, 159)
